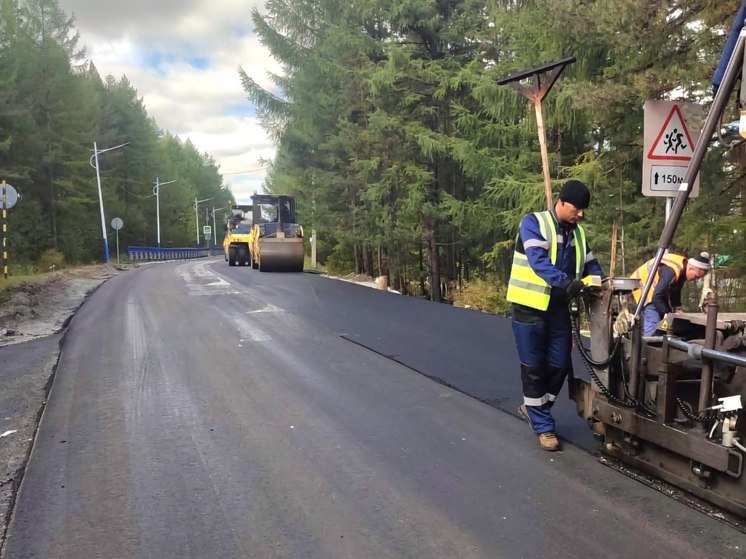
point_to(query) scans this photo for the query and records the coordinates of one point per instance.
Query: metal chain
(589, 364)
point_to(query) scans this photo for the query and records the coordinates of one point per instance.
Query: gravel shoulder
(32, 324)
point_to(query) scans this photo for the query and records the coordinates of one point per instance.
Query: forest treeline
(53, 107)
(409, 160)
(405, 155)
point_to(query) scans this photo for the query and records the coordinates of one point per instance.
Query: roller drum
(281, 255)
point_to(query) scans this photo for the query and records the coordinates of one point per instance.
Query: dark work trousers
(544, 343)
(650, 320)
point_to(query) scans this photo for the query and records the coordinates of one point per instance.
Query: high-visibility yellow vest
(528, 289)
(674, 261)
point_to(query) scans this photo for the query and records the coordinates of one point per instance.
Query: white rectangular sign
(666, 178)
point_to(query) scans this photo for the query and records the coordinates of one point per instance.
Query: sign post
(8, 199)
(117, 224)
(671, 132)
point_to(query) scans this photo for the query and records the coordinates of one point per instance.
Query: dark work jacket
(667, 294)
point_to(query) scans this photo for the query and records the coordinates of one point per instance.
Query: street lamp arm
(97, 152)
(197, 202)
(111, 148)
(158, 186)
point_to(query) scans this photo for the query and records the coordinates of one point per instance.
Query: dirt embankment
(41, 307)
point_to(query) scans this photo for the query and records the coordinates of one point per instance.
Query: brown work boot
(549, 441)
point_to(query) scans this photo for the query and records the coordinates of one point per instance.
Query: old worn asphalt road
(202, 411)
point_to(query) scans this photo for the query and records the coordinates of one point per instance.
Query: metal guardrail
(150, 254)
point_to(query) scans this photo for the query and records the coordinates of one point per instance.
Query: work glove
(703, 298)
(573, 288)
(623, 322)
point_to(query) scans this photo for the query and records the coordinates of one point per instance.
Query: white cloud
(182, 57)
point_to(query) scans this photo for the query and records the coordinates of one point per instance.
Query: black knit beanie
(576, 193)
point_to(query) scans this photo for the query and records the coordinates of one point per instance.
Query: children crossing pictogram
(671, 131)
(673, 142)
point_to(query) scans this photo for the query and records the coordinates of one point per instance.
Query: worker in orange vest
(665, 293)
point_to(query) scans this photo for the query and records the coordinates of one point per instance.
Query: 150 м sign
(666, 177)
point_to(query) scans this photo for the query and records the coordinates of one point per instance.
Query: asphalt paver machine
(671, 404)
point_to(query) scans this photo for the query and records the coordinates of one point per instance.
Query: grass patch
(7, 286)
(320, 268)
(486, 295)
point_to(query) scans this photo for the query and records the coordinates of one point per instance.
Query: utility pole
(207, 221)
(94, 157)
(313, 233)
(196, 218)
(214, 230)
(157, 192)
(196, 214)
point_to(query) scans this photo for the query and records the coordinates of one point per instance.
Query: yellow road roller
(276, 240)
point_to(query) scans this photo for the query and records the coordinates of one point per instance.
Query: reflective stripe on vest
(525, 286)
(674, 261)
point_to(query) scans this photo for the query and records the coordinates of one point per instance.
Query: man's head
(697, 266)
(573, 199)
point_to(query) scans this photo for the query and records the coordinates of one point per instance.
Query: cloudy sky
(183, 56)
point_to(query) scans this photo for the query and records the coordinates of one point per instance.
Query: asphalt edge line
(658, 485)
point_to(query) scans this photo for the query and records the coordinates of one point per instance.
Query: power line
(246, 172)
(135, 194)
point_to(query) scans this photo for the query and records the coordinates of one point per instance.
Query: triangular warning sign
(673, 142)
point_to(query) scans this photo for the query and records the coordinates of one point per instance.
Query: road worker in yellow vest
(665, 292)
(551, 257)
